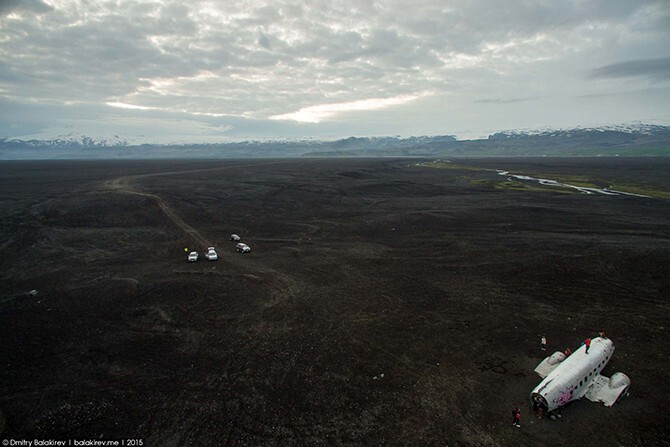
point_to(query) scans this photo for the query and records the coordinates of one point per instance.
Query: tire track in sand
(287, 290)
(123, 185)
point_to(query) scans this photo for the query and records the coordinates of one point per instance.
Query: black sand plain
(383, 303)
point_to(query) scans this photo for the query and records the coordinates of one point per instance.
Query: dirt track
(123, 185)
(359, 268)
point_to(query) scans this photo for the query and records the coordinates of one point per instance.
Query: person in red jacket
(516, 417)
(587, 343)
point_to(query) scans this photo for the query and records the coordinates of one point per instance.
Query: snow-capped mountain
(630, 139)
(70, 140)
(631, 129)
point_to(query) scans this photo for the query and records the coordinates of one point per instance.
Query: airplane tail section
(608, 390)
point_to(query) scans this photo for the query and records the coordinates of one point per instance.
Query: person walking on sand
(543, 342)
(516, 417)
(587, 343)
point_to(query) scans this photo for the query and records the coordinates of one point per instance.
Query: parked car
(243, 248)
(211, 254)
(235, 238)
(193, 256)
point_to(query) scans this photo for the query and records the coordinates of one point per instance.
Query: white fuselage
(570, 380)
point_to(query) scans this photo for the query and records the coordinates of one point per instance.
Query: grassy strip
(518, 185)
(576, 180)
(448, 165)
(646, 190)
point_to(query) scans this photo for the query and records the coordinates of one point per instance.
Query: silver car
(211, 254)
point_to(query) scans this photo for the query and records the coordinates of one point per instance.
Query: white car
(211, 254)
(235, 238)
(193, 256)
(243, 248)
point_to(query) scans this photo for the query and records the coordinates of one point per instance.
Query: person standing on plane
(587, 343)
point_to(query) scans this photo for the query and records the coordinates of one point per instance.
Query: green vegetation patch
(439, 164)
(583, 181)
(645, 190)
(517, 185)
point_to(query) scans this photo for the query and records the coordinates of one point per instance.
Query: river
(583, 189)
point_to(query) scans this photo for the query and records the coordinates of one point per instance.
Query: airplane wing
(607, 390)
(549, 364)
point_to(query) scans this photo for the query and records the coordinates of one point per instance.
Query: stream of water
(585, 190)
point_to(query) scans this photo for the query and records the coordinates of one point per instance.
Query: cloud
(503, 100)
(276, 64)
(318, 113)
(655, 69)
(264, 41)
(37, 6)
(122, 105)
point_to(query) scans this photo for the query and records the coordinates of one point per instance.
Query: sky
(163, 71)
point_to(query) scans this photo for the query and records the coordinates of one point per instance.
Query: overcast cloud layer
(229, 70)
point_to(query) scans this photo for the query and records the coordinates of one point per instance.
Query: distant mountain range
(626, 140)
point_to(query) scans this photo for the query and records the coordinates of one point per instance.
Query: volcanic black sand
(382, 302)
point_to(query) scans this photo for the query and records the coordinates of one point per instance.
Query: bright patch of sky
(161, 71)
